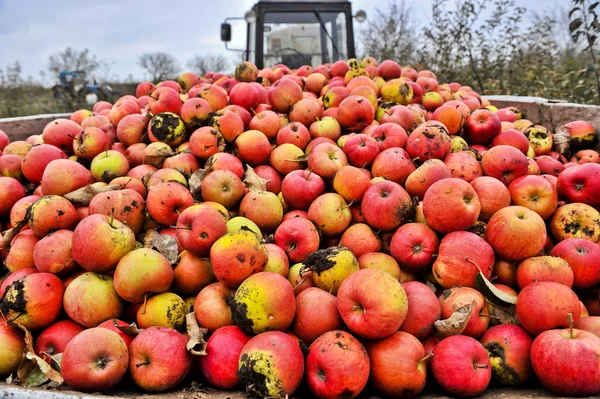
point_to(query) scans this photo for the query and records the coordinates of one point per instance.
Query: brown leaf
(430, 285)
(33, 370)
(131, 329)
(9, 234)
(166, 245)
(456, 323)
(253, 181)
(83, 196)
(196, 344)
(195, 181)
(146, 178)
(157, 159)
(503, 314)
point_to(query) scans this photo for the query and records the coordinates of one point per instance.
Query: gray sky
(119, 31)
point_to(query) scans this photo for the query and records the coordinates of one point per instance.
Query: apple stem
(570, 317)
(309, 173)
(144, 306)
(299, 284)
(145, 362)
(427, 357)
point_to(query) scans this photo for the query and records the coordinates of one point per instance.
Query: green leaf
(493, 294)
(575, 24)
(593, 5)
(573, 10)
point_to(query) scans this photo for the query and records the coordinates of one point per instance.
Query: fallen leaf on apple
(253, 181)
(196, 345)
(33, 370)
(83, 196)
(456, 323)
(131, 329)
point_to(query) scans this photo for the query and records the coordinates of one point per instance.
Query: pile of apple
(346, 225)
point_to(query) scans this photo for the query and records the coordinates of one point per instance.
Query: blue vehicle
(75, 84)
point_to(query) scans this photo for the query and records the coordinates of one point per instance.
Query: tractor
(297, 33)
(74, 85)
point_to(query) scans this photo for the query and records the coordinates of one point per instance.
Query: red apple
(451, 205)
(95, 360)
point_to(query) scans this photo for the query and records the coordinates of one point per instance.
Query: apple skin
(454, 298)
(316, 313)
(493, 195)
(451, 205)
(505, 163)
(158, 359)
(12, 345)
(95, 360)
(536, 193)
(166, 200)
(337, 365)
(236, 256)
(223, 348)
(413, 246)
(372, 303)
(62, 176)
(461, 366)
(109, 164)
(462, 255)
(91, 299)
(140, 272)
(198, 227)
(580, 184)
(298, 237)
(125, 205)
(481, 127)
(211, 306)
(425, 175)
(544, 268)
(386, 205)
(567, 362)
(53, 253)
(110, 325)
(581, 255)
(509, 346)
(423, 310)
(34, 301)
(397, 368)
(516, 233)
(100, 242)
(20, 255)
(275, 359)
(545, 305)
(589, 324)
(36, 160)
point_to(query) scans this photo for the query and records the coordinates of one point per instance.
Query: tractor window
(305, 38)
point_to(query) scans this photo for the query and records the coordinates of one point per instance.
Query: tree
(390, 33)
(159, 65)
(584, 27)
(72, 59)
(202, 64)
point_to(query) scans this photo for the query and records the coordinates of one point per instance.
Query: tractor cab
(297, 33)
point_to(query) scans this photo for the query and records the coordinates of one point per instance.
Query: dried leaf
(159, 157)
(195, 181)
(84, 195)
(253, 181)
(431, 286)
(302, 158)
(55, 361)
(493, 294)
(33, 370)
(196, 344)
(147, 177)
(166, 245)
(131, 329)
(456, 323)
(504, 314)
(9, 234)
